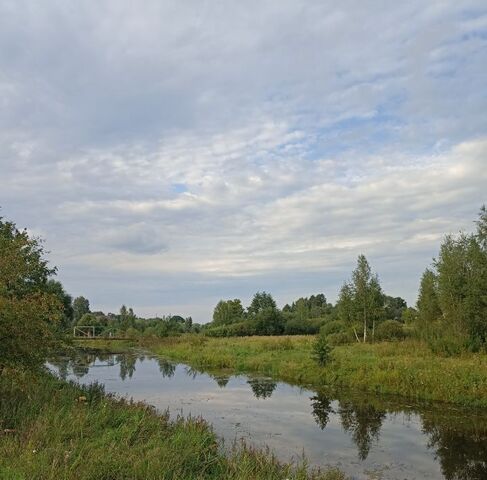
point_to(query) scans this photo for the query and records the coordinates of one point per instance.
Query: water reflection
(460, 444)
(166, 368)
(457, 438)
(262, 387)
(322, 408)
(363, 421)
(127, 365)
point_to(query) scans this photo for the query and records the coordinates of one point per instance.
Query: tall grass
(52, 430)
(406, 368)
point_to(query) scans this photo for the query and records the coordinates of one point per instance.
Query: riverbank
(406, 368)
(52, 429)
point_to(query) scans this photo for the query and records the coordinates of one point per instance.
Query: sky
(172, 154)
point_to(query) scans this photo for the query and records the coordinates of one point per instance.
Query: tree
(452, 302)
(56, 288)
(260, 302)
(29, 313)
(462, 289)
(127, 318)
(394, 307)
(482, 228)
(345, 307)
(81, 305)
(368, 300)
(227, 312)
(268, 321)
(428, 307)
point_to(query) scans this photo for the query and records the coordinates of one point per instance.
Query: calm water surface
(368, 437)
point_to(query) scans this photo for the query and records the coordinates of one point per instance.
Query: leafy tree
(227, 312)
(428, 307)
(127, 318)
(452, 302)
(482, 228)
(361, 301)
(56, 288)
(29, 313)
(261, 301)
(188, 323)
(268, 321)
(462, 288)
(409, 316)
(81, 305)
(394, 307)
(345, 307)
(363, 292)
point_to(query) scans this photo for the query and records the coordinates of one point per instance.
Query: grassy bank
(50, 429)
(405, 368)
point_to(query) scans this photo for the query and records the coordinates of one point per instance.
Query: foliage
(310, 326)
(452, 302)
(394, 307)
(361, 302)
(305, 308)
(81, 305)
(56, 288)
(390, 330)
(228, 311)
(321, 351)
(30, 311)
(335, 326)
(261, 301)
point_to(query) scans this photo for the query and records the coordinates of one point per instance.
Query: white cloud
(242, 146)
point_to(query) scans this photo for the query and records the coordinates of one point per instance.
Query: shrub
(335, 326)
(321, 350)
(390, 330)
(341, 338)
(132, 332)
(303, 327)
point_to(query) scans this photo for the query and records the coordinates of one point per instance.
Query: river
(367, 436)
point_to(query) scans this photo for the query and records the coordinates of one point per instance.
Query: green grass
(47, 432)
(406, 368)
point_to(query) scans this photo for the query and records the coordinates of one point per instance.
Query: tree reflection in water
(363, 421)
(262, 387)
(460, 443)
(166, 368)
(221, 380)
(127, 365)
(458, 437)
(322, 409)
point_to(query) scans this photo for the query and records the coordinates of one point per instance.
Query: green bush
(321, 350)
(335, 326)
(132, 332)
(310, 326)
(341, 338)
(390, 330)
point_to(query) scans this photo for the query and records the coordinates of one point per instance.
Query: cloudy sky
(174, 153)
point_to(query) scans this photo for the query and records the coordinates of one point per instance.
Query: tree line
(127, 324)
(450, 313)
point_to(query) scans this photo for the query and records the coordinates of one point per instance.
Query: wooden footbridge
(93, 332)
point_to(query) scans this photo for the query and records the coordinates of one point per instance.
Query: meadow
(52, 429)
(407, 368)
